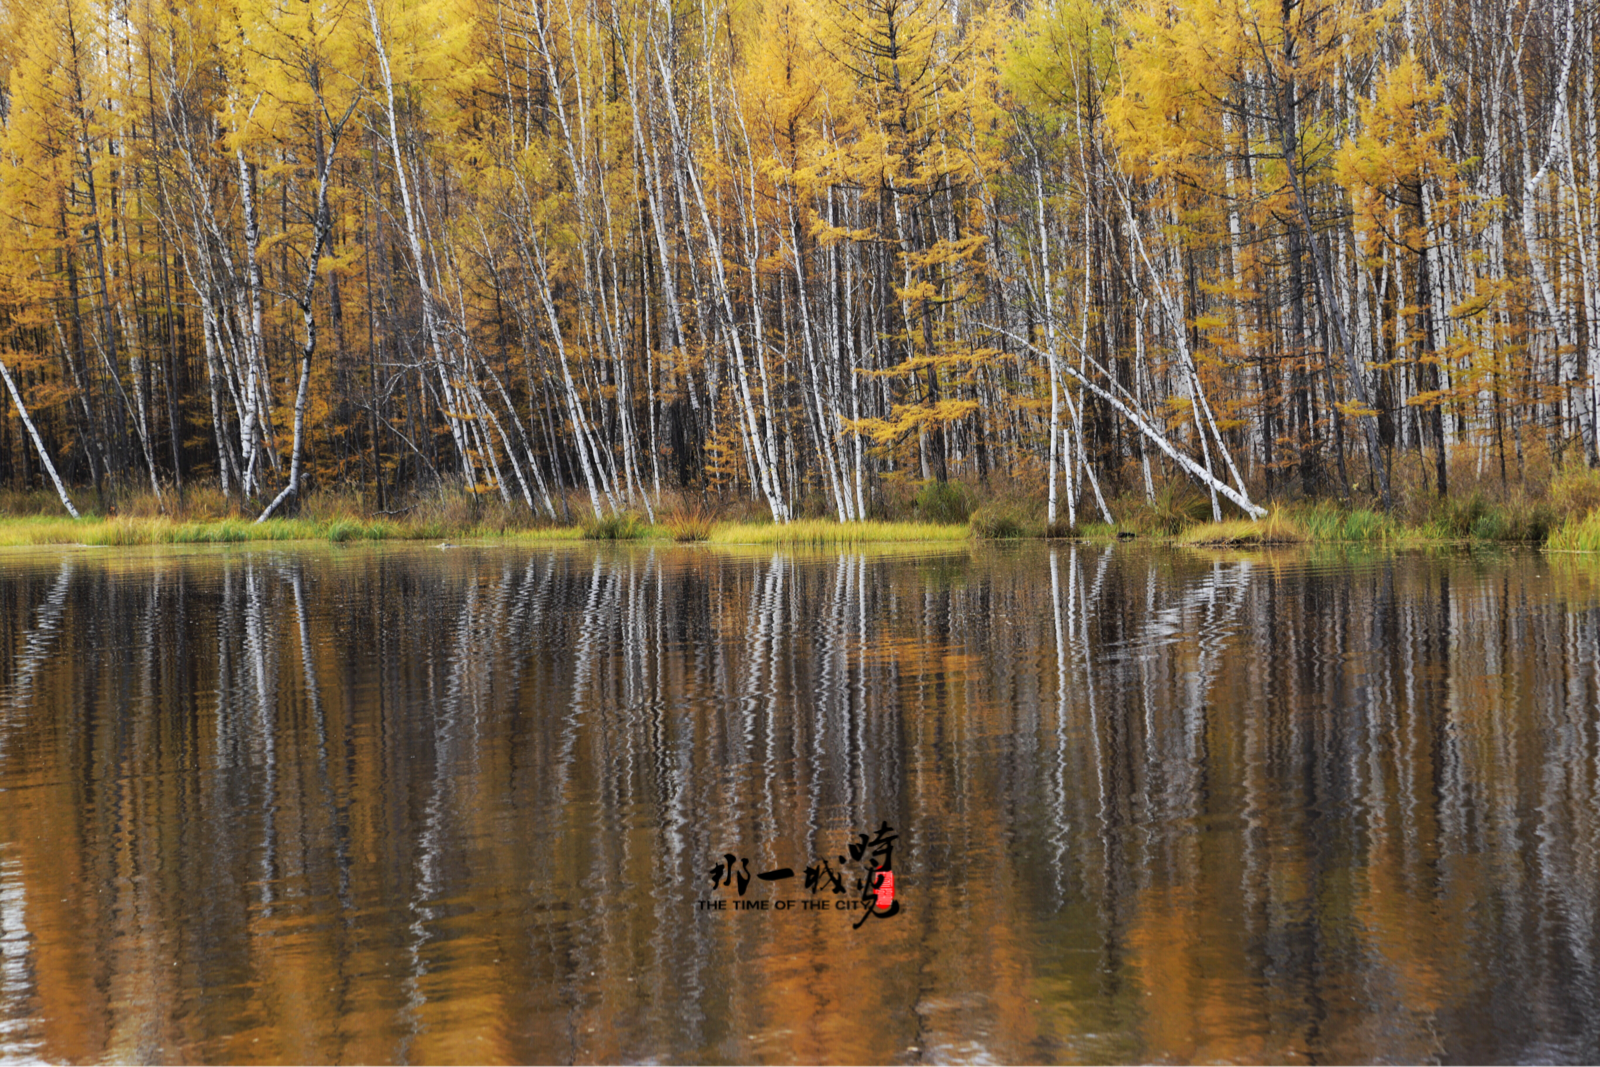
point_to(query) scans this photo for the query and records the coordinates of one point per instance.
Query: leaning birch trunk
(109, 316)
(208, 333)
(322, 226)
(592, 294)
(430, 314)
(33, 435)
(511, 410)
(306, 350)
(1554, 150)
(768, 478)
(614, 334)
(198, 268)
(1589, 297)
(769, 437)
(1588, 224)
(649, 155)
(1143, 425)
(1203, 416)
(1076, 410)
(1235, 257)
(580, 425)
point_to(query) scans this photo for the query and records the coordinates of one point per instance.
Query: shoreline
(1281, 528)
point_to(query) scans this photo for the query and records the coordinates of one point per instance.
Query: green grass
(1473, 516)
(163, 531)
(1577, 535)
(1469, 517)
(535, 535)
(943, 503)
(42, 530)
(828, 532)
(1325, 522)
(200, 533)
(36, 530)
(1466, 517)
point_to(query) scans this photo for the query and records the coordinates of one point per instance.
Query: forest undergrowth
(1559, 510)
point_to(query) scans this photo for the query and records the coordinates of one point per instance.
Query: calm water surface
(412, 805)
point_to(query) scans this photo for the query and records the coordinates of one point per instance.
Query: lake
(485, 804)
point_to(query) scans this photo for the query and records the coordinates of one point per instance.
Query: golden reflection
(379, 805)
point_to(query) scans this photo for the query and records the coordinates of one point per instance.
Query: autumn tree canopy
(581, 253)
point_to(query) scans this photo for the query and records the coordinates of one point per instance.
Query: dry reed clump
(1575, 493)
(1176, 506)
(40, 502)
(689, 524)
(1278, 528)
(998, 523)
(204, 501)
(623, 527)
(1006, 508)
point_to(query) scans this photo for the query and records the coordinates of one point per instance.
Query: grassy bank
(1562, 512)
(15, 531)
(94, 530)
(827, 532)
(1323, 524)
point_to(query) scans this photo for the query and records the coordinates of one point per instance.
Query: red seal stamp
(885, 889)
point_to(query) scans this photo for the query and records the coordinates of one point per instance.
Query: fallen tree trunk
(1199, 473)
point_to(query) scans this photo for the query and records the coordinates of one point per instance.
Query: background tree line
(579, 253)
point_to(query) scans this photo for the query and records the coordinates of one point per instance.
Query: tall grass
(625, 527)
(41, 530)
(1001, 523)
(1575, 493)
(1176, 507)
(1474, 515)
(1577, 535)
(1326, 522)
(1561, 505)
(943, 503)
(1276, 529)
(688, 524)
(160, 530)
(163, 531)
(538, 534)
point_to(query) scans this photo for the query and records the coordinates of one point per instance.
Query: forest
(577, 255)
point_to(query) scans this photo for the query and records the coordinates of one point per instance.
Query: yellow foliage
(1404, 127)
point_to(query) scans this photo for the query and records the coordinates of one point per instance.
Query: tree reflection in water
(394, 804)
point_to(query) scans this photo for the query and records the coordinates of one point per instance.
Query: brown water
(416, 805)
